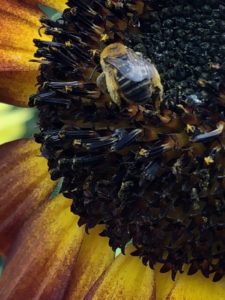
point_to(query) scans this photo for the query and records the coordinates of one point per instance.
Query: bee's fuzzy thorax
(113, 50)
(154, 178)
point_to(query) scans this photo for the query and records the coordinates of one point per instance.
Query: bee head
(113, 50)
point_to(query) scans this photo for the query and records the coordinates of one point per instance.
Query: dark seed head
(156, 179)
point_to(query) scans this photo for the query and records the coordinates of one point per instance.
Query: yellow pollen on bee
(104, 37)
(208, 160)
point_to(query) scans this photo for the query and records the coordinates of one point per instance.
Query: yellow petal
(19, 25)
(41, 261)
(94, 257)
(127, 278)
(196, 287)
(24, 185)
(164, 283)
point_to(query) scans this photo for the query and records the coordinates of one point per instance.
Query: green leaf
(52, 13)
(118, 252)
(57, 189)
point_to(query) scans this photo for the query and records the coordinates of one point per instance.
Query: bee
(129, 76)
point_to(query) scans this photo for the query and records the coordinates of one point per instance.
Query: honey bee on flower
(129, 76)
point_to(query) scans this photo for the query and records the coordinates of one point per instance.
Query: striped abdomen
(138, 92)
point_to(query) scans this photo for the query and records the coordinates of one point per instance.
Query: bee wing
(132, 66)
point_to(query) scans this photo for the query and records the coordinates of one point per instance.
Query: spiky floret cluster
(155, 180)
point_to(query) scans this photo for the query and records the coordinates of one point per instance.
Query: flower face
(149, 176)
(137, 137)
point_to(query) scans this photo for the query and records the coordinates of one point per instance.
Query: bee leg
(205, 137)
(112, 86)
(101, 83)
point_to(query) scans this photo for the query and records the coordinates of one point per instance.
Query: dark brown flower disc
(154, 178)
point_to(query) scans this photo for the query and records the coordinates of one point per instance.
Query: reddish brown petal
(126, 279)
(42, 259)
(94, 257)
(24, 185)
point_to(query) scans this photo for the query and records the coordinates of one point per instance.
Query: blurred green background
(16, 123)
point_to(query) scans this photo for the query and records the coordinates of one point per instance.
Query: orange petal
(127, 278)
(19, 25)
(17, 86)
(94, 257)
(42, 259)
(196, 287)
(24, 185)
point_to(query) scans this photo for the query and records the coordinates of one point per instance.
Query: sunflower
(149, 178)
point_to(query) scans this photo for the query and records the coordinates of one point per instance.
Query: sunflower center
(155, 180)
(186, 42)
